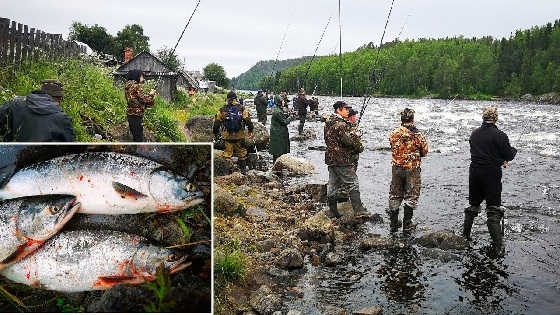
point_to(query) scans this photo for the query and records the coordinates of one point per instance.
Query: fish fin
(106, 282)
(127, 192)
(22, 251)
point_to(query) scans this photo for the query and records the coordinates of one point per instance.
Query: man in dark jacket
(343, 143)
(301, 103)
(37, 117)
(260, 104)
(279, 135)
(490, 150)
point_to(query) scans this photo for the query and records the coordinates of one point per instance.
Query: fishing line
(340, 44)
(316, 49)
(179, 40)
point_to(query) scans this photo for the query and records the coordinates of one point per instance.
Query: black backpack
(233, 119)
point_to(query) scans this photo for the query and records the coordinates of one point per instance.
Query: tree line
(526, 62)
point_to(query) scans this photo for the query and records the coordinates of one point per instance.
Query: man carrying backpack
(232, 120)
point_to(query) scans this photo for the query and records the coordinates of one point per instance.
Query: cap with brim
(52, 87)
(341, 104)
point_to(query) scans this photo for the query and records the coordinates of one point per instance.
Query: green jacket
(261, 103)
(279, 135)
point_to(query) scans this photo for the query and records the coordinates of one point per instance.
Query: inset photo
(105, 228)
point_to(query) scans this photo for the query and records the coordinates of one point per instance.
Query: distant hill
(250, 80)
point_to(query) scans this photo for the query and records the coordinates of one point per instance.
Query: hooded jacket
(490, 147)
(36, 118)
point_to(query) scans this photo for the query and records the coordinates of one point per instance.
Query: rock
(257, 212)
(222, 166)
(376, 242)
(550, 98)
(121, 298)
(293, 312)
(277, 313)
(267, 245)
(225, 202)
(290, 259)
(231, 179)
(261, 138)
(333, 259)
(318, 228)
(277, 273)
(369, 311)
(318, 191)
(294, 166)
(264, 301)
(527, 97)
(443, 240)
(308, 134)
(333, 310)
(199, 128)
(440, 255)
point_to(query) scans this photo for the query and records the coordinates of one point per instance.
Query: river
(405, 280)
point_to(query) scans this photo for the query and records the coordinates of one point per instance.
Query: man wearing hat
(301, 103)
(260, 104)
(231, 120)
(408, 146)
(37, 117)
(343, 143)
(490, 150)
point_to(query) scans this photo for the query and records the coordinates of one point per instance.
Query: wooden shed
(154, 69)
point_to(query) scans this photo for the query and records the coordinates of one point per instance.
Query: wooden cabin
(155, 70)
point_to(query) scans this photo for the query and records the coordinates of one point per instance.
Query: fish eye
(53, 209)
(190, 187)
(171, 257)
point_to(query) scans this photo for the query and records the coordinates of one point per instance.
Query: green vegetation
(186, 231)
(215, 72)
(92, 98)
(229, 264)
(170, 59)
(97, 38)
(161, 288)
(527, 62)
(251, 80)
(68, 308)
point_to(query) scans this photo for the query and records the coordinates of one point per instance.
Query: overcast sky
(237, 34)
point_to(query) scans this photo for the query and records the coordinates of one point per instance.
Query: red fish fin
(105, 282)
(127, 192)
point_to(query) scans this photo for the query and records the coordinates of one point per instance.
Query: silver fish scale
(8, 241)
(76, 261)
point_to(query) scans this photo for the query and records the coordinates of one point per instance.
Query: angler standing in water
(261, 104)
(408, 146)
(490, 150)
(300, 105)
(279, 134)
(137, 103)
(232, 120)
(343, 143)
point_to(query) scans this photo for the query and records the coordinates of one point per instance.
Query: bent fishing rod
(315, 53)
(178, 41)
(367, 97)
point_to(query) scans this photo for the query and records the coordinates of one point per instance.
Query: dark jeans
(136, 128)
(485, 184)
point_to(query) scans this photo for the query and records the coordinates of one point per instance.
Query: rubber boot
(300, 129)
(394, 221)
(333, 208)
(243, 166)
(495, 215)
(357, 205)
(407, 220)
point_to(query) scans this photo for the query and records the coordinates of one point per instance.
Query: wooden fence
(20, 44)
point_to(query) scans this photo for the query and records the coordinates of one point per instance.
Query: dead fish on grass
(93, 260)
(27, 222)
(107, 183)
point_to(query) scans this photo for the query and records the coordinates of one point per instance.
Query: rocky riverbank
(275, 227)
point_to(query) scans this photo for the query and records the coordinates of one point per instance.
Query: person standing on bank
(137, 102)
(279, 135)
(300, 105)
(343, 143)
(261, 104)
(490, 150)
(232, 120)
(408, 147)
(37, 117)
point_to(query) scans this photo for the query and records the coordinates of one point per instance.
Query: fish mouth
(69, 210)
(179, 265)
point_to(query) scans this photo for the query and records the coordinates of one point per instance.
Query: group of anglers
(490, 151)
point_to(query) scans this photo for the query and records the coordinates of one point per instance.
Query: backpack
(233, 119)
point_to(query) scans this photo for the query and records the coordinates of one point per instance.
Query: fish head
(149, 258)
(173, 192)
(43, 216)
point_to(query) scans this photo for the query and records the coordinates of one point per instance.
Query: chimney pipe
(128, 54)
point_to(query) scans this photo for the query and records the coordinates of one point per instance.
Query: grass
(90, 94)
(229, 265)
(161, 288)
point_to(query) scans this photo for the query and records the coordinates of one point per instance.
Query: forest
(478, 68)
(251, 79)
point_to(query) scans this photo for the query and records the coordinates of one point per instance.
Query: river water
(406, 280)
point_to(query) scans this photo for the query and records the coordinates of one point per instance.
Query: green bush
(229, 263)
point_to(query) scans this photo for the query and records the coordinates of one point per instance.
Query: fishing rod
(367, 97)
(316, 49)
(278, 55)
(340, 44)
(179, 40)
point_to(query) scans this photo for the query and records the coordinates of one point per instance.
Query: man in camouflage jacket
(408, 146)
(137, 103)
(343, 144)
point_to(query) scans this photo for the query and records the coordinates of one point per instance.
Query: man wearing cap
(408, 146)
(260, 104)
(37, 117)
(279, 135)
(342, 145)
(490, 150)
(232, 120)
(300, 105)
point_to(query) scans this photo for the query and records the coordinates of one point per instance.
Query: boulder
(222, 166)
(333, 310)
(318, 191)
(199, 128)
(307, 134)
(376, 242)
(264, 301)
(333, 259)
(317, 228)
(225, 203)
(261, 138)
(293, 165)
(257, 212)
(443, 240)
(527, 97)
(290, 259)
(369, 311)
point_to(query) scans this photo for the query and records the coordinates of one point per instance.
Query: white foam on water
(550, 151)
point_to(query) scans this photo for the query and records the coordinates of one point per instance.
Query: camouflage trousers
(261, 117)
(405, 186)
(235, 147)
(342, 181)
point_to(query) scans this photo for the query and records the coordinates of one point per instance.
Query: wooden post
(12, 40)
(25, 51)
(19, 42)
(32, 50)
(4, 33)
